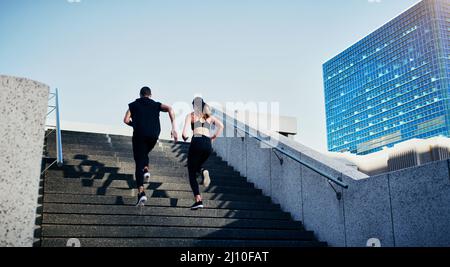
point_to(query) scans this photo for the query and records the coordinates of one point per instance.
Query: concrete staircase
(91, 198)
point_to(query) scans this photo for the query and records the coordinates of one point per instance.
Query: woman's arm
(187, 123)
(219, 126)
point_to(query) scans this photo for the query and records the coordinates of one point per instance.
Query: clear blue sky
(100, 52)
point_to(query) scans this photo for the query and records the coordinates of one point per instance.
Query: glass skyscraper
(393, 85)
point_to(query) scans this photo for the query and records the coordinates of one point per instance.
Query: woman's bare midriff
(202, 131)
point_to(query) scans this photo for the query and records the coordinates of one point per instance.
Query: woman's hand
(187, 122)
(219, 125)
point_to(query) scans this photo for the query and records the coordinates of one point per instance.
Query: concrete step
(89, 137)
(122, 173)
(156, 202)
(118, 149)
(183, 171)
(164, 211)
(118, 144)
(197, 222)
(77, 189)
(111, 148)
(129, 157)
(110, 162)
(79, 139)
(156, 161)
(89, 149)
(109, 173)
(114, 152)
(98, 144)
(154, 169)
(163, 142)
(103, 139)
(159, 165)
(159, 145)
(150, 186)
(216, 181)
(81, 135)
(111, 136)
(87, 231)
(70, 134)
(122, 138)
(158, 148)
(176, 242)
(130, 163)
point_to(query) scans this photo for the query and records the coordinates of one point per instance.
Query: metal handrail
(289, 155)
(57, 129)
(59, 151)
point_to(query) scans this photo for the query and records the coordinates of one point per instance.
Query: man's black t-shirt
(145, 117)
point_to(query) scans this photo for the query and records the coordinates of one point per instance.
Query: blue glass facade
(393, 85)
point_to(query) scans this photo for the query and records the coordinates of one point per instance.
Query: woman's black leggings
(199, 152)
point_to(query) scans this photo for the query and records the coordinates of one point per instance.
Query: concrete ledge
(23, 107)
(421, 205)
(367, 211)
(404, 208)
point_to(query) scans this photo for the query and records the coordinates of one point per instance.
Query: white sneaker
(142, 198)
(206, 178)
(147, 176)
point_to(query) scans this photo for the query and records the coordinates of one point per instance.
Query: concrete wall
(23, 108)
(410, 207)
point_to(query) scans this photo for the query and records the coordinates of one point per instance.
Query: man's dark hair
(146, 92)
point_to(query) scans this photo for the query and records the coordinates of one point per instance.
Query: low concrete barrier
(410, 207)
(23, 108)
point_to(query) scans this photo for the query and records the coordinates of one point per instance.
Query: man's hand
(167, 108)
(174, 135)
(185, 138)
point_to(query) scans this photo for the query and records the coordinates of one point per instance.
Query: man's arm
(169, 109)
(127, 119)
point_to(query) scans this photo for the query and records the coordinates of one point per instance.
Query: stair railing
(54, 108)
(257, 136)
